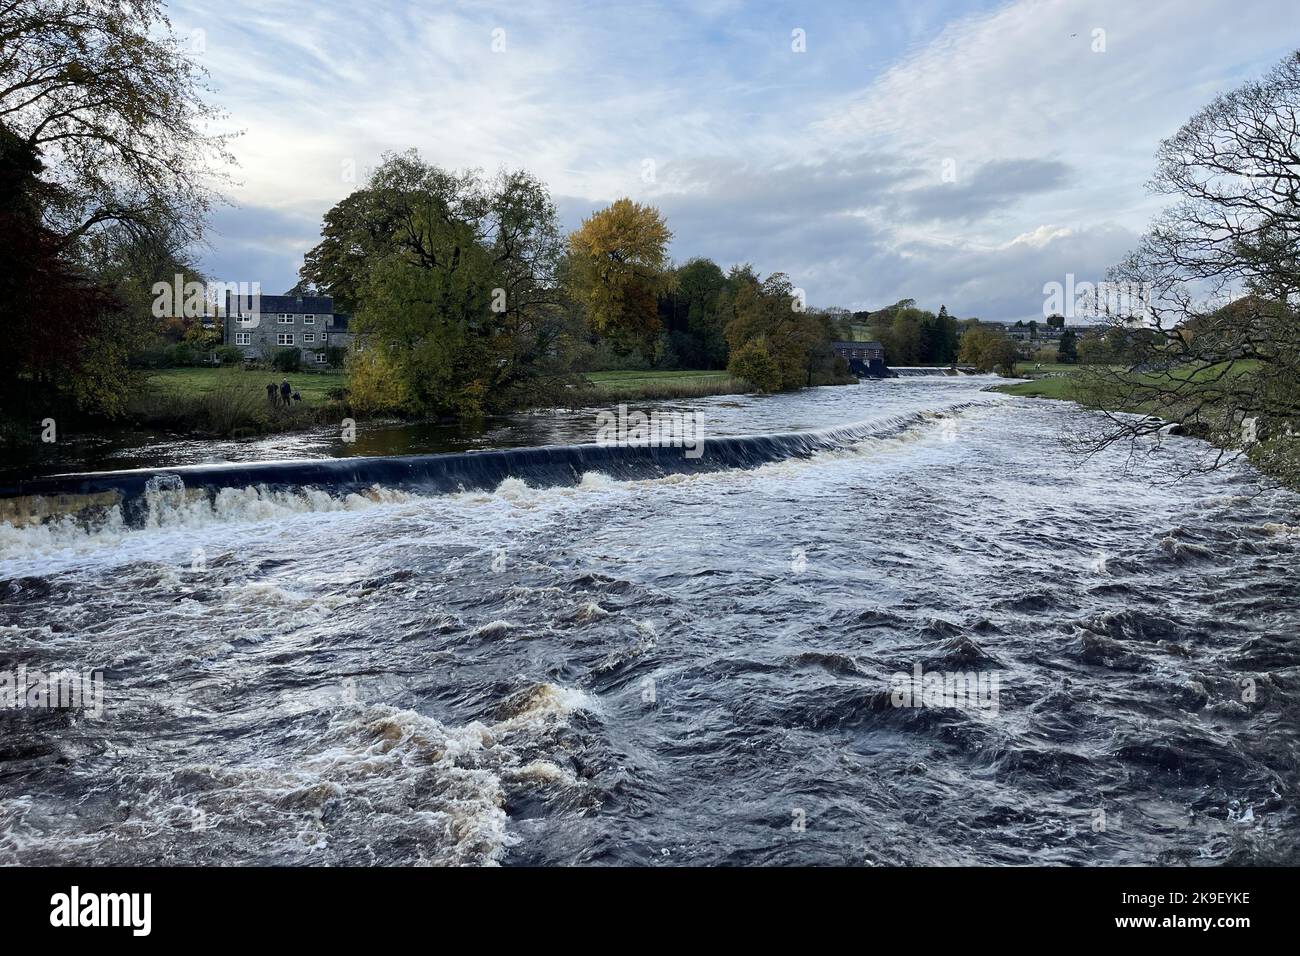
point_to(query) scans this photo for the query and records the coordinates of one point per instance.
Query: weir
(911, 371)
(37, 500)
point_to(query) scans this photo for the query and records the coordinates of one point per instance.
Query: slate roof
(295, 304)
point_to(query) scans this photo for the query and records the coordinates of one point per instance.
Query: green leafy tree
(1067, 349)
(110, 99)
(988, 350)
(689, 312)
(754, 363)
(767, 311)
(455, 284)
(101, 135)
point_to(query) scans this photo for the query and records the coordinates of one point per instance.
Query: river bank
(1277, 456)
(219, 409)
(219, 414)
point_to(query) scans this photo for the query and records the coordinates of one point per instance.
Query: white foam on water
(596, 481)
(184, 522)
(67, 540)
(516, 490)
(545, 702)
(379, 777)
(544, 772)
(590, 611)
(495, 629)
(1279, 528)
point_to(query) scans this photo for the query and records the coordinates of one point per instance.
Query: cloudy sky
(959, 153)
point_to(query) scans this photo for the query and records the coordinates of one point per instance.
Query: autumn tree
(1216, 282)
(987, 349)
(765, 317)
(754, 363)
(618, 268)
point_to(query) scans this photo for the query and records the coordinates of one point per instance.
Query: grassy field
(638, 379)
(634, 385)
(1060, 386)
(314, 385)
(1042, 369)
(1046, 380)
(1057, 381)
(198, 381)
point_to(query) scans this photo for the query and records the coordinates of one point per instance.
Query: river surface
(685, 669)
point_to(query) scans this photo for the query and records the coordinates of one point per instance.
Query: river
(695, 667)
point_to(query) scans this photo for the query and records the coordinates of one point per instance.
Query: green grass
(637, 379)
(1060, 387)
(639, 385)
(198, 381)
(1055, 380)
(1039, 369)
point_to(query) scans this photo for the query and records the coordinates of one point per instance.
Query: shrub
(374, 385)
(229, 355)
(287, 360)
(607, 394)
(184, 355)
(754, 363)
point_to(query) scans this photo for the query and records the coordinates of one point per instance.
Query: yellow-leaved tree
(618, 266)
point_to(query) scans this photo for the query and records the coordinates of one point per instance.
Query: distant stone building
(271, 322)
(864, 358)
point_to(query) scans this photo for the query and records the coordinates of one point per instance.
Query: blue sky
(957, 153)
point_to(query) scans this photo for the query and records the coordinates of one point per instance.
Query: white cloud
(827, 165)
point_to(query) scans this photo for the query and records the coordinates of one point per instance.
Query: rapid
(577, 657)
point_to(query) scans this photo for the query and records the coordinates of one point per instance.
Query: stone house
(863, 358)
(261, 325)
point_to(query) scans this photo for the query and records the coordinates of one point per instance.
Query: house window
(284, 338)
(245, 318)
(243, 338)
(309, 320)
(309, 336)
(321, 358)
(285, 318)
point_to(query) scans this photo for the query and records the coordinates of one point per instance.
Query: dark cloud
(831, 227)
(990, 188)
(257, 244)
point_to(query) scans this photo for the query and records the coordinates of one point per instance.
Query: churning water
(642, 664)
